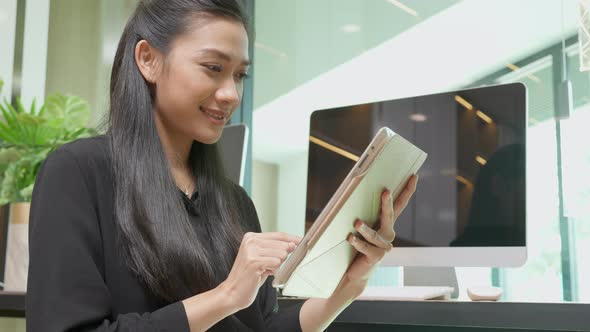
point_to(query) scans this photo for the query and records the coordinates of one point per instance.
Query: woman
(139, 230)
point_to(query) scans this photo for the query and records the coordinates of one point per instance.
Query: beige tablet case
(324, 265)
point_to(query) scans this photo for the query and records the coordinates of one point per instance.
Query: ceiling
(299, 40)
(450, 49)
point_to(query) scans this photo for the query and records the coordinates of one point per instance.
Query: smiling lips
(219, 116)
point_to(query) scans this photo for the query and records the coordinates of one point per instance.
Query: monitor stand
(432, 277)
(420, 283)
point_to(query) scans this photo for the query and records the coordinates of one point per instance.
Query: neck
(176, 147)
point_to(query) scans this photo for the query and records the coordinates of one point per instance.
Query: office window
(543, 267)
(576, 164)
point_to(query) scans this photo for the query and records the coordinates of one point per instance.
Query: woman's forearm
(206, 309)
(316, 314)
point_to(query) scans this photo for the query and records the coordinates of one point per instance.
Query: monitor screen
(471, 190)
(232, 147)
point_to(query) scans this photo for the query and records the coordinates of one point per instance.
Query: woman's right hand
(259, 256)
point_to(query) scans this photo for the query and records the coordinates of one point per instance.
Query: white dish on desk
(488, 293)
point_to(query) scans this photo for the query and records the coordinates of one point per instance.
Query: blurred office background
(315, 54)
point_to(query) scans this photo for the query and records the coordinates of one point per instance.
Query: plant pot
(17, 248)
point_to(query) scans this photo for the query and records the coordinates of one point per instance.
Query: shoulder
(94, 148)
(88, 154)
(247, 210)
(240, 195)
(85, 158)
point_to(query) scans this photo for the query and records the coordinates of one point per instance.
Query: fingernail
(357, 223)
(364, 227)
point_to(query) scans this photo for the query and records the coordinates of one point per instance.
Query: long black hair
(170, 255)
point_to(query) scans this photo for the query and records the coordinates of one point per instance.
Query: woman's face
(200, 83)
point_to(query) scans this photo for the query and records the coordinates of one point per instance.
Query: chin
(208, 136)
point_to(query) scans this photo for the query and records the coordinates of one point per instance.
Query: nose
(229, 94)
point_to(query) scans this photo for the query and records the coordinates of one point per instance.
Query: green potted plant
(27, 136)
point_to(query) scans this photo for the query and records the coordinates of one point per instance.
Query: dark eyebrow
(221, 55)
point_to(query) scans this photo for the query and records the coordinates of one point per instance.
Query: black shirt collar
(190, 203)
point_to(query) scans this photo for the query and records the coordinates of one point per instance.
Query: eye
(214, 67)
(242, 76)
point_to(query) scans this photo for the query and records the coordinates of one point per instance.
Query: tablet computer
(319, 262)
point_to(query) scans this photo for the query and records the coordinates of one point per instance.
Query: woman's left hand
(374, 244)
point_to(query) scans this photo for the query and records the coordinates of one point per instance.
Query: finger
(372, 253)
(270, 272)
(251, 239)
(280, 236)
(404, 197)
(266, 252)
(276, 245)
(370, 235)
(387, 215)
(263, 264)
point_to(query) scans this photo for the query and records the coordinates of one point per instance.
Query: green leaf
(47, 135)
(80, 133)
(28, 136)
(8, 155)
(29, 119)
(10, 135)
(27, 193)
(33, 107)
(8, 113)
(42, 110)
(12, 127)
(8, 191)
(74, 110)
(55, 122)
(20, 176)
(19, 106)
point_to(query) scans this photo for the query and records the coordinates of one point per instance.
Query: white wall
(7, 36)
(113, 16)
(34, 65)
(74, 48)
(83, 38)
(279, 193)
(264, 193)
(292, 194)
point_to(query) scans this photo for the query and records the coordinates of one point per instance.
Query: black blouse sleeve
(66, 289)
(275, 318)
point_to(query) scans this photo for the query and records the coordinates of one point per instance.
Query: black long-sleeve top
(78, 279)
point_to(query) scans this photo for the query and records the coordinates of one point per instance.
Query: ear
(148, 61)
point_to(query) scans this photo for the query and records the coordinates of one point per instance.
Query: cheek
(240, 92)
(182, 92)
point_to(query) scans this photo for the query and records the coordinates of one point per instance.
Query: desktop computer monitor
(232, 147)
(469, 208)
